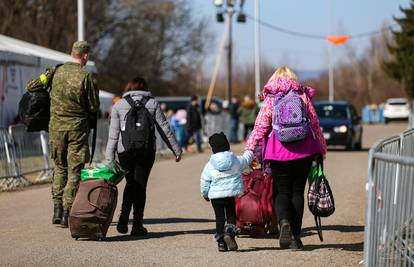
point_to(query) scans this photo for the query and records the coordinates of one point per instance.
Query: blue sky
(308, 16)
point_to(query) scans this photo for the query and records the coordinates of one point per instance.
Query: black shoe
(57, 213)
(222, 247)
(138, 229)
(65, 219)
(285, 234)
(122, 226)
(296, 243)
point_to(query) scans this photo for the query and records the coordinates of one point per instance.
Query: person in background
(194, 124)
(248, 113)
(178, 122)
(234, 120)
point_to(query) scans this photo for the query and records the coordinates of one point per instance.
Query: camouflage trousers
(70, 152)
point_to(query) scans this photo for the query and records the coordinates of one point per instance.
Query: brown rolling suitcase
(93, 209)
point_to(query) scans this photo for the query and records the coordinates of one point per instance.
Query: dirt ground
(181, 223)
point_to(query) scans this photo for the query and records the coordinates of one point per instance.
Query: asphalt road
(181, 223)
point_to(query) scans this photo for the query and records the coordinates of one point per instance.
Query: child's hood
(222, 161)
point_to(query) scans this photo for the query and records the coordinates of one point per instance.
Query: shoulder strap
(49, 87)
(94, 139)
(130, 101)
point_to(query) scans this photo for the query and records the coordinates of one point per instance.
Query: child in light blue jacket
(220, 182)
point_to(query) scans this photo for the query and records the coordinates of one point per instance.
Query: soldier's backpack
(34, 106)
(138, 133)
(289, 120)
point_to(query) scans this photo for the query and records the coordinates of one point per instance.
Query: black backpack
(138, 133)
(34, 106)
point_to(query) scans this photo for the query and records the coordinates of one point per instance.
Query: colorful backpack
(289, 120)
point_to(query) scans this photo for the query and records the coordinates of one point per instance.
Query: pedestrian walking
(289, 150)
(234, 120)
(74, 104)
(134, 143)
(248, 113)
(220, 182)
(194, 124)
(178, 122)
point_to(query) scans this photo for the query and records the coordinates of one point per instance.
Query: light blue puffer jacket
(221, 176)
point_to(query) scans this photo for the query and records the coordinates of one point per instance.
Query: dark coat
(193, 118)
(234, 110)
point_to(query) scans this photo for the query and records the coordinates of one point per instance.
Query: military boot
(57, 213)
(65, 219)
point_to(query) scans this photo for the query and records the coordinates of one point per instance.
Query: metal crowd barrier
(25, 157)
(32, 152)
(389, 225)
(10, 176)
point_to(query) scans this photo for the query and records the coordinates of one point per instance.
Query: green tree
(401, 67)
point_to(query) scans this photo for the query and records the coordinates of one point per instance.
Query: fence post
(44, 141)
(368, 209)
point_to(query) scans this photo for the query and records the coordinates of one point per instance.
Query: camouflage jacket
(74, 98)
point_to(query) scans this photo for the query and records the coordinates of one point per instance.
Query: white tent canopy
(21, 61)
(20, 51)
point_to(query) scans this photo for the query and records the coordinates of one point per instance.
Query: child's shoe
(229, 237)
(222, 247)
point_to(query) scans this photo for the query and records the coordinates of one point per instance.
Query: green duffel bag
(112, 171)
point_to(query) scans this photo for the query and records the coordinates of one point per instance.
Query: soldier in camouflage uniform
(74, 103)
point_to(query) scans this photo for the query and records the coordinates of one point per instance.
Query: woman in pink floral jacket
(290, 162)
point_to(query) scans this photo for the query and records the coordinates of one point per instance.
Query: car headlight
(340, 129)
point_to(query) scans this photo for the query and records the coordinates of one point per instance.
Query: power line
(315, 36)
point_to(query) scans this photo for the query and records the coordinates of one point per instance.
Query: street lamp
(227, 7)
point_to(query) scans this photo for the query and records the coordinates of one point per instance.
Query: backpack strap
(130, 101)
(133, 103)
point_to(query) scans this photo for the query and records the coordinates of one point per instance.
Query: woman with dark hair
(138, 162)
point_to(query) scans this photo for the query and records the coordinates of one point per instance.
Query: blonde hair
(284, 72)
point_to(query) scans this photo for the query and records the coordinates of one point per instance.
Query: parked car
(396, 109)
(182, 102)
(340, 123)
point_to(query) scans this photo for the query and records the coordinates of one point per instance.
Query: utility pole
(257, 48)
(230, 12)
(81, 20)
(331, 55)
(228, 8)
